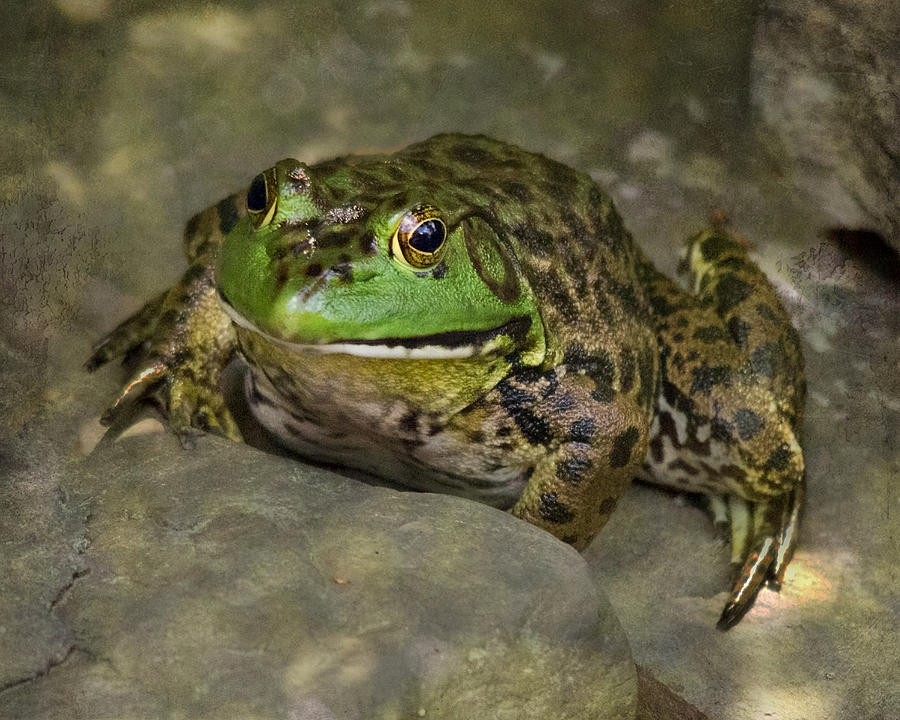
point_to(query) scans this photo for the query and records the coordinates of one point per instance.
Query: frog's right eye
(262, 198)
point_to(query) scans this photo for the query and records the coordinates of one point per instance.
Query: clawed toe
(763, 538)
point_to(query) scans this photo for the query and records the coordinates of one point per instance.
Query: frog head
(378, 257)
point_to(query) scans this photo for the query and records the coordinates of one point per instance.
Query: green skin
(530, 357)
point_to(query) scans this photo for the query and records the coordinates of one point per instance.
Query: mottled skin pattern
(538, 362)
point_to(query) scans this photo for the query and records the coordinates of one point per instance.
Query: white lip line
(425, 352)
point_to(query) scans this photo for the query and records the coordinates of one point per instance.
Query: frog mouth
(435, 346)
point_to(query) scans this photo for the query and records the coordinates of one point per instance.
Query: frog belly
(416, 465)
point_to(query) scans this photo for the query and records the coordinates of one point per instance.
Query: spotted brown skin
(468, 317)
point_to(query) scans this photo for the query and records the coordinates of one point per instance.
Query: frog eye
(262, 198)
(420, 237)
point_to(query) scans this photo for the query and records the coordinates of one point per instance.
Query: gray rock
(825, 83)
(224, 582)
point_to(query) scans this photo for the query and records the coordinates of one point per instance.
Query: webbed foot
(763, 538)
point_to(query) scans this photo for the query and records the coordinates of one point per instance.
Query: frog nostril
(344, 271)
(299, 180)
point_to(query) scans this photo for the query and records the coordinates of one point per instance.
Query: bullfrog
(467, 317)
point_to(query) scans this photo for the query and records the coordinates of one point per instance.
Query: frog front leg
(184, 340)
(578, 445)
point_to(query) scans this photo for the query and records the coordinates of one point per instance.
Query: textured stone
(825, 83)
(224, 582)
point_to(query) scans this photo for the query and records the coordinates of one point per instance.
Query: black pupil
(256, 195)
(428, 237)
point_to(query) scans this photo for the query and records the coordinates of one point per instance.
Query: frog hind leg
(730, 408)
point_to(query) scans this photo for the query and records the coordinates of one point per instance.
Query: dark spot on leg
(764, 360)
(607, 506)
(748, 423)
(513, 397)
(721, 430)
(646, 372)
(779, 458)
(714, 246)
(628, 298)
(582, 430)
(561, 403)
(553, 510)
(622, 445)
(731, 291)
(597, 366)
(572, 470)
(535, 429)
(704, 378)
(194, 273)
(739, 330)
(601, 302)
(518, 404)
(603, 393)
(313, 270)
(661, 305)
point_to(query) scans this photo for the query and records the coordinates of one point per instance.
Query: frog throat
(439, 346)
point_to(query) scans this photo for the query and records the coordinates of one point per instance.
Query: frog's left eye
(420, 237)
(262, 198)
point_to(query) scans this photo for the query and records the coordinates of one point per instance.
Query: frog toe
(788, 535)
(194, 409)
(128, 337)
(141, 385)
(764, 536)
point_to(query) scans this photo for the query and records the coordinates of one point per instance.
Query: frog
(466, 317)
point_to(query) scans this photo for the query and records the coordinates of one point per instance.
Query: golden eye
(420, 237)
(262, 198)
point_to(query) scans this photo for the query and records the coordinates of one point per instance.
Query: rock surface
(825, 76)
(224, 582)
